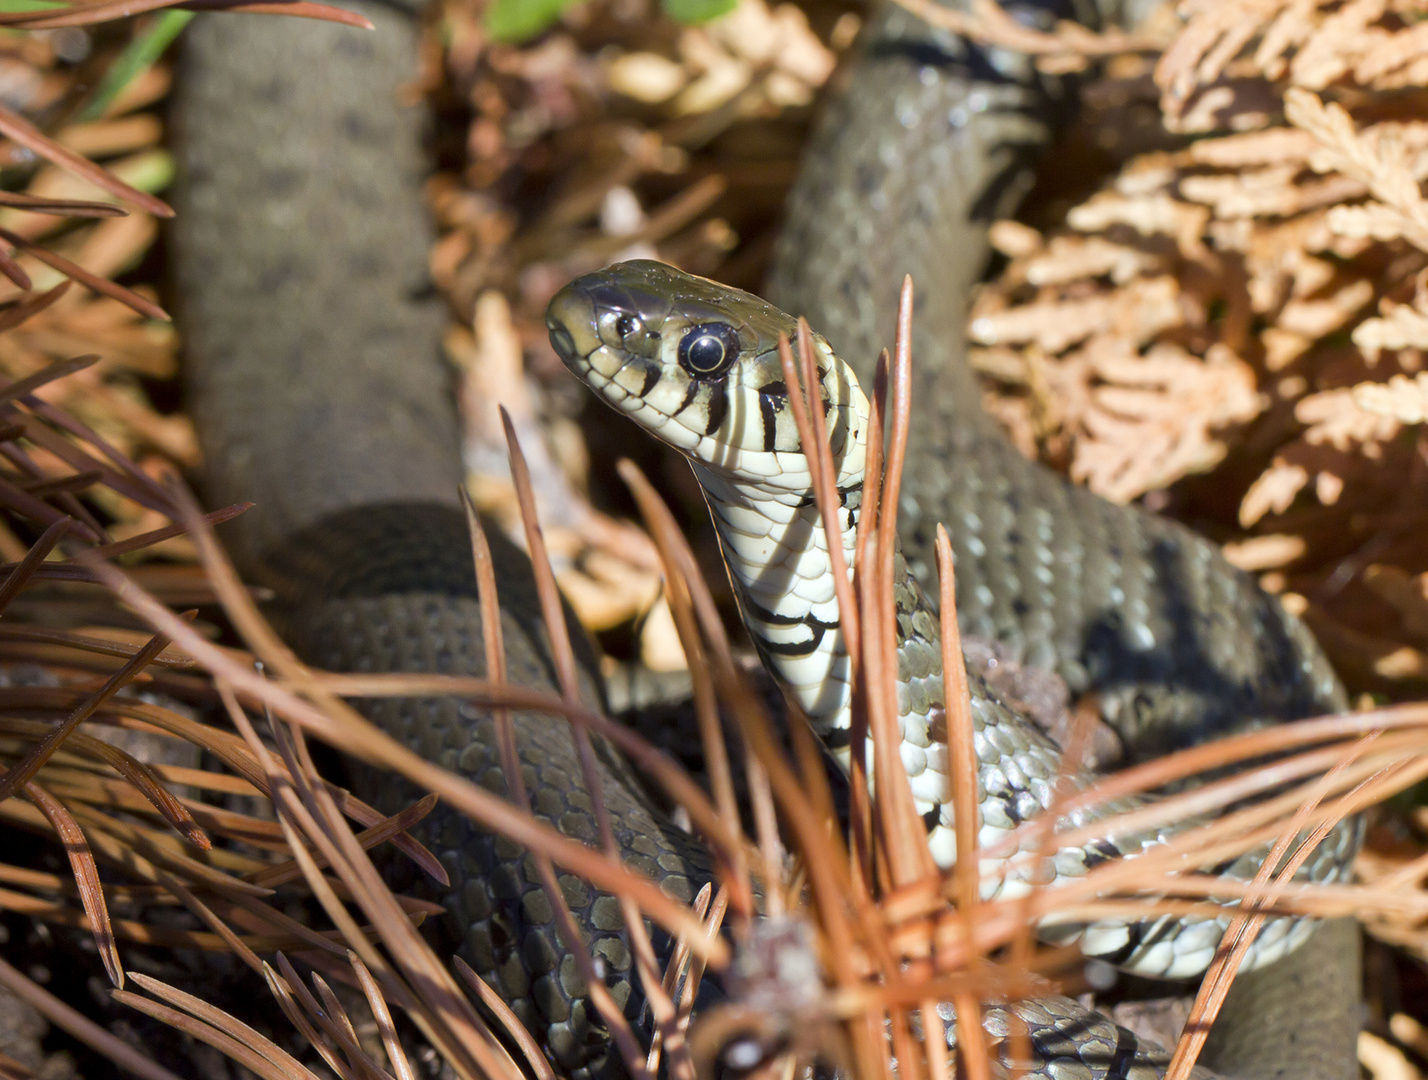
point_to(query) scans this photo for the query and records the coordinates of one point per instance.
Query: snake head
(696, 363)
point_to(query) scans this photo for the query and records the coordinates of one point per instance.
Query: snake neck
(776, 551)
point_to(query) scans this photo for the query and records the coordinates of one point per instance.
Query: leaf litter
(1248, 304)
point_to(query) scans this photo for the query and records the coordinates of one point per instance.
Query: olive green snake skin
(315, 373)
(697, 365)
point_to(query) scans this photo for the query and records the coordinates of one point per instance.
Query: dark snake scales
(313, 360)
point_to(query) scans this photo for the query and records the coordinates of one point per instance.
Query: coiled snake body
(314, 364)
(697, 364)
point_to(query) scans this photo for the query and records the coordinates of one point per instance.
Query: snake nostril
(562, 341)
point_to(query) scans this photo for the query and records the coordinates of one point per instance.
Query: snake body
(1175, 642)
(313, 358)
(314, 368)
(697, 364)
(928, 140)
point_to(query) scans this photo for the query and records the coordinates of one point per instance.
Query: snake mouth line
(618, 397)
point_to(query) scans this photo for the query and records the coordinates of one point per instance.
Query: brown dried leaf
(1152, 214)
(1153, 421)
(1069, 258)
(1331, 49)
(1066, 49)
(1378, 159)
(1137, 312)
(1269, 552)
(1334, 418)
(1402, 399)
(1340, 443)
(1013, 239)
(645, 76)
(1310, 43)
(1389, 53)
(1215, 31)
(1317, 318)
(1274, 146)
(1399, 326)
(1273, 491)
(1373, 221)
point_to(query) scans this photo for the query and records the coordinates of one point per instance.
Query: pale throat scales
(776, 550)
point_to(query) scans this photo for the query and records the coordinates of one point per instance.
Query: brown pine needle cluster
(881, 943)
(73, 228)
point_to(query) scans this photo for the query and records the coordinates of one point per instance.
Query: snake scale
(313, 358)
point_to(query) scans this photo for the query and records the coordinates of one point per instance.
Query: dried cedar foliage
(1252, 303)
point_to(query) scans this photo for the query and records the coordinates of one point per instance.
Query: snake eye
(709, 350)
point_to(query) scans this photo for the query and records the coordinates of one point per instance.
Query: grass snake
(313, 361)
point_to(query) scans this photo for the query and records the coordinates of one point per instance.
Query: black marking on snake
(931, 818)
(816, 629)
(652, 375)
(1139, 936)
(793, 648)
(772, 397)
(773, 619)
(963, 61)
(1125, 1054)
(1097, 852)
(690, 393)
(838, 738)
(1135, 933)
(718, 406)
(843, 494)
